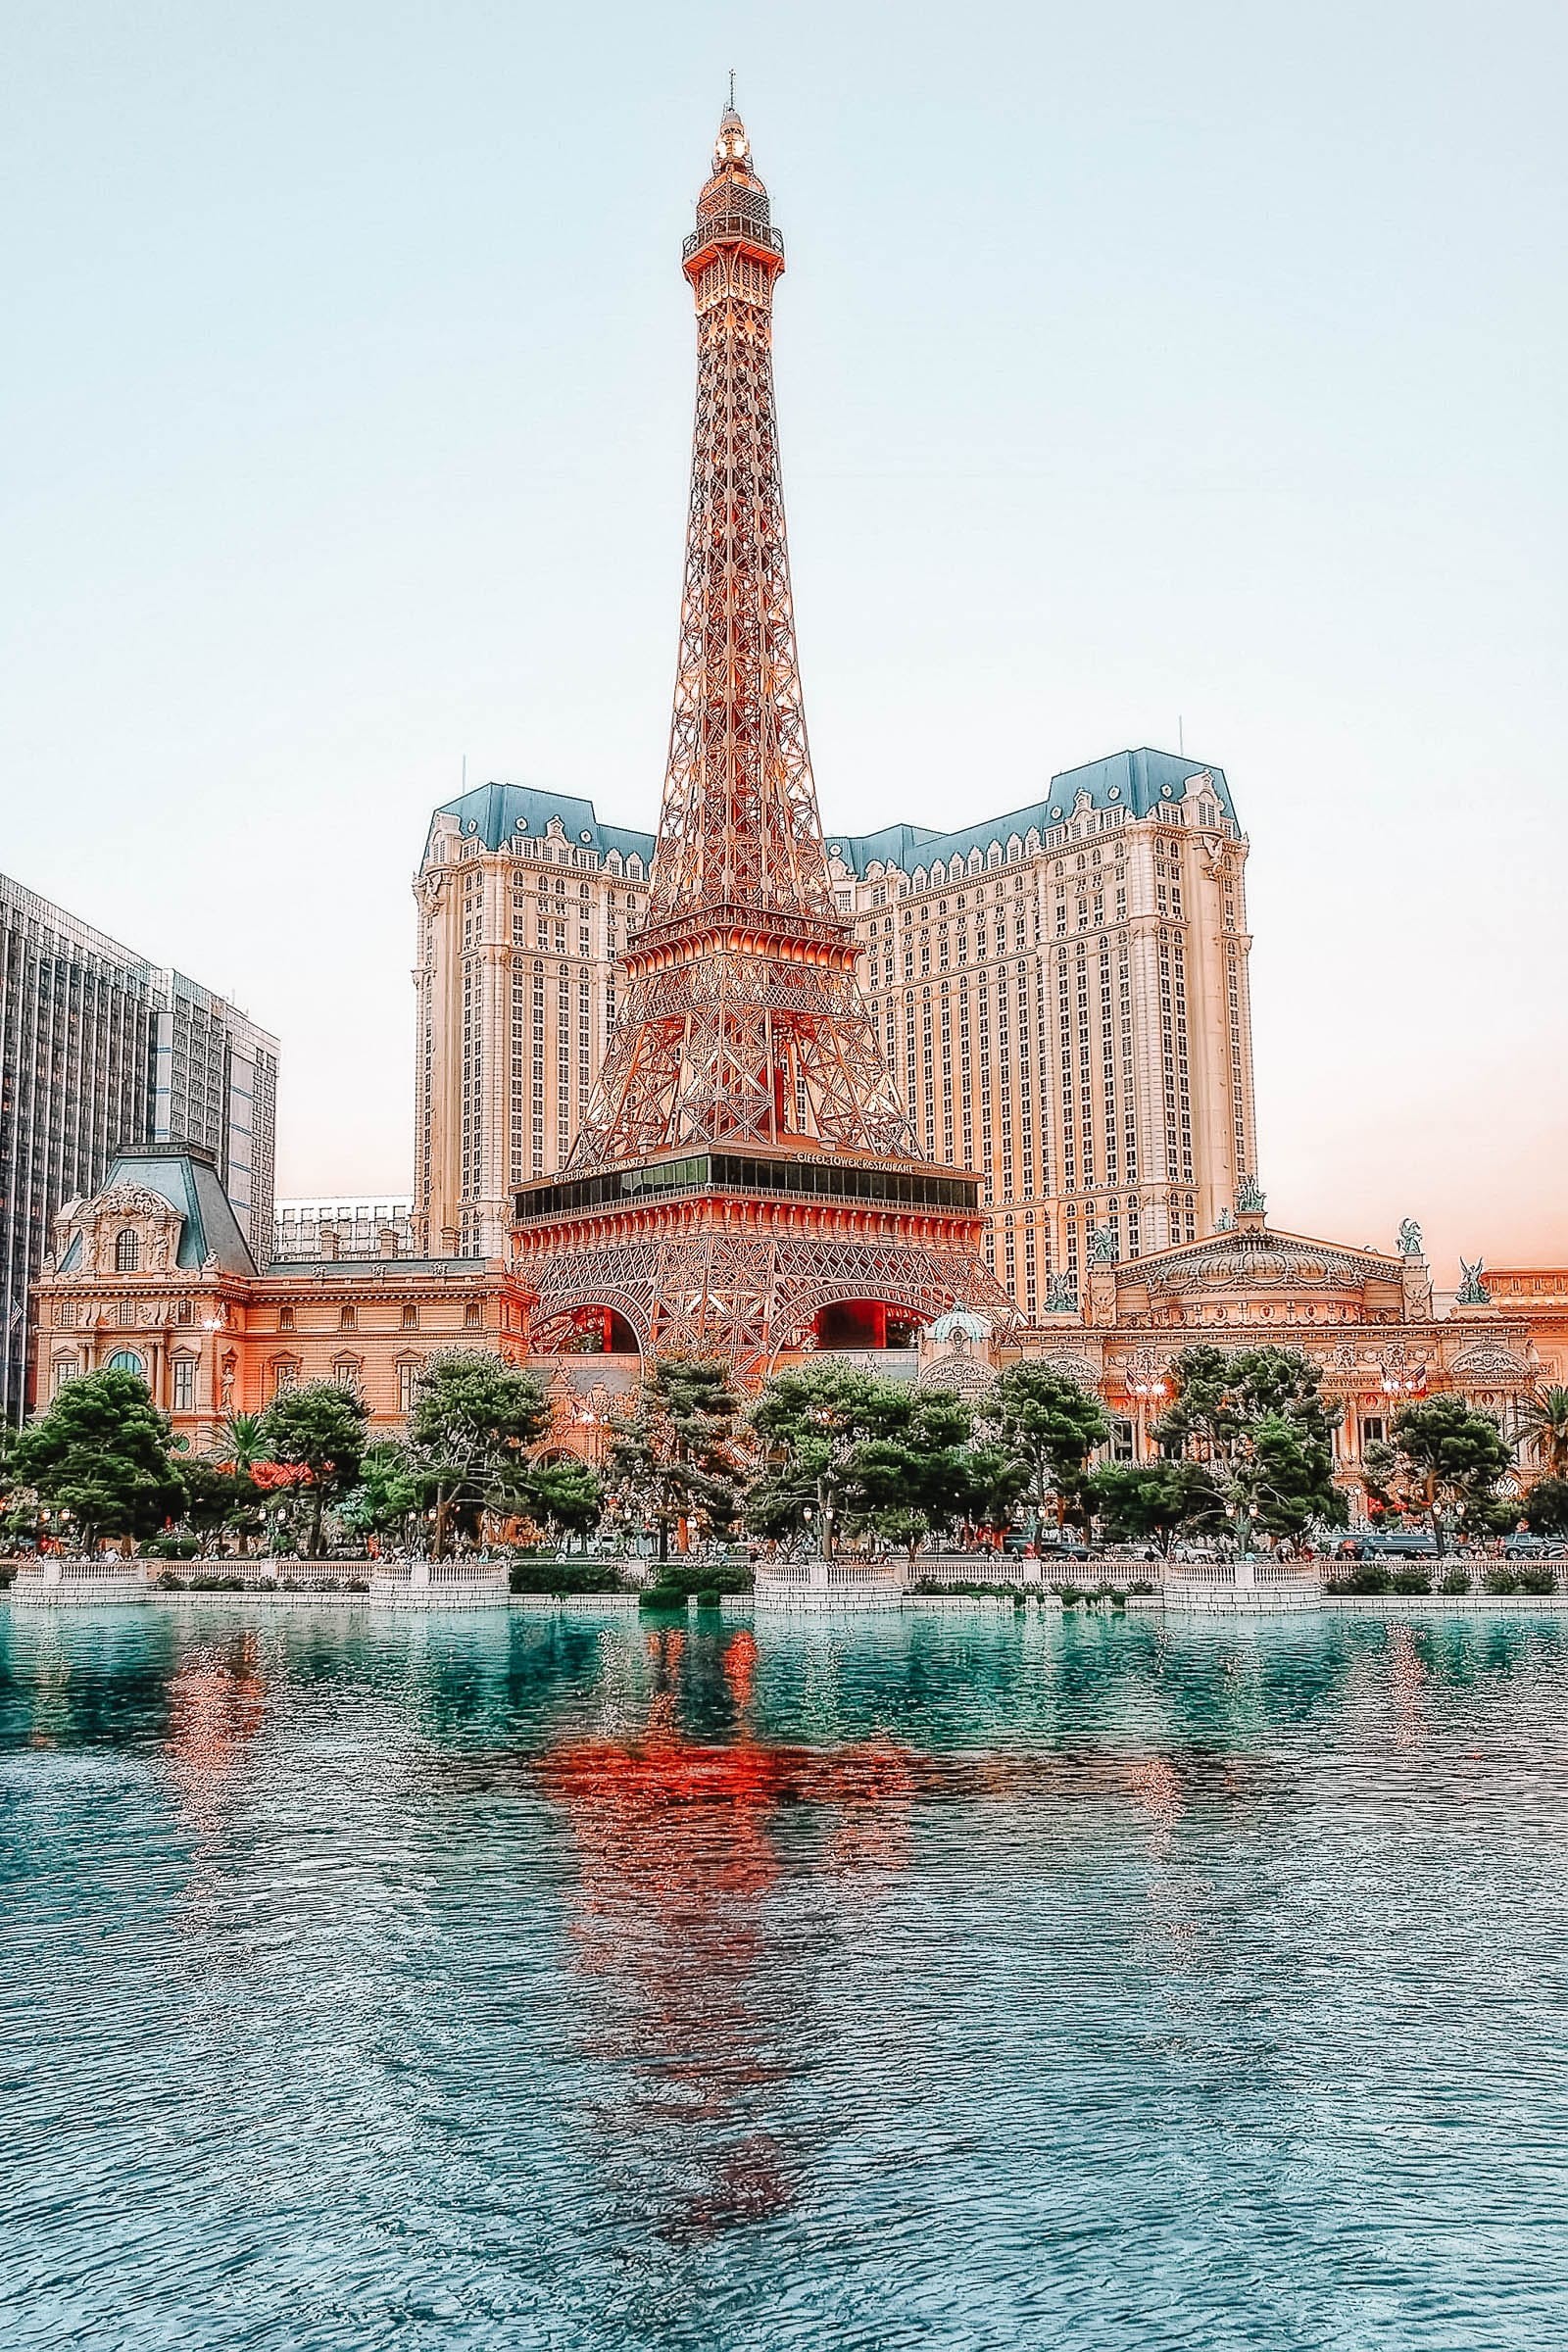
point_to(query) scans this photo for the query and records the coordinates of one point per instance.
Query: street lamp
(1145, 1382)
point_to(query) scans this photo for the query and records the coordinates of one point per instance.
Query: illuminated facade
(524, 902)
(745, 1180)
(152, 1273)
(1062, 992)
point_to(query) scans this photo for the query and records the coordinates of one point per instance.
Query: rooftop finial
(732, 90)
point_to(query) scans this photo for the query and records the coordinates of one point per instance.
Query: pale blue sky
(1133, 362)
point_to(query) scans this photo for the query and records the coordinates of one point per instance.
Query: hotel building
(1062, 992)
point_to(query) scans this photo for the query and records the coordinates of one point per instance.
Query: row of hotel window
(283, 1373)
(128, 1313)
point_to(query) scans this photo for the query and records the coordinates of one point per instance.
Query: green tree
(1542, 1427)
(239, 1440)
(1256, 1430)
(1546, 1510)
(681, 1453)
(1049, 1424)
(567, 1497)
(387, 1493)
(321, 1428)
(218, 1496)
(855, 1453)
(474, 1420)
(101, 1453)
(1442, 1459)
(1141, 1503)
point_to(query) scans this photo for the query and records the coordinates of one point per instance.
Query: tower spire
(744, 1062)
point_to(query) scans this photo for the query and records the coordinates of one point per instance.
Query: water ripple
(951, 1983)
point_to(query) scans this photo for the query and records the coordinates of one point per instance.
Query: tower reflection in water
(703, 1951)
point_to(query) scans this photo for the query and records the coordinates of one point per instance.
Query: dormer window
(128, 1251)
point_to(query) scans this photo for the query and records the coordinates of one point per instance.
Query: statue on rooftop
(1062, 1295)
(1409, 1239)
(1225, 1222)
(1472, 1290)
(1250, 1198)
(1102, 1246)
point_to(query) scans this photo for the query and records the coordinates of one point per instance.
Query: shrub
(1367, 1577)
(1143, 1586)
(1069, 1594)
(564, 1577)
(709, 1597)
(708, 1576)
(662, 1596)
(357, 1584)
(215, 1584)
(1499, 1583)
(1410, 1580)
(1537, 1577)
(1455, 1581)
(168, 1582)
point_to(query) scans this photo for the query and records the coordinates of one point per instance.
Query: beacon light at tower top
(743, 1046)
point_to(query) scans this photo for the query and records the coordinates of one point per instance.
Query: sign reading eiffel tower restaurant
(746, 1181)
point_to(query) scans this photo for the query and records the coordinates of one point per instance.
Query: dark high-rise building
(99, 1048)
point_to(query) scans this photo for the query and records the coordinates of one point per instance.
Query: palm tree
(238, 1440)
(1543, 1429)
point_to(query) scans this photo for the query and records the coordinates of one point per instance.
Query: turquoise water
(941, 1983)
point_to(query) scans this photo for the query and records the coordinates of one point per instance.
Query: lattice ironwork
(742, 1020)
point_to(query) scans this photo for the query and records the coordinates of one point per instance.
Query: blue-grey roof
(189, 1180)
(1138, 781)
(497, 812)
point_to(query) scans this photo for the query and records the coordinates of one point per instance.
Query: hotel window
(184, 1311)
(285, 1318)
(473, 1315)
(411, 1315)
(128, 1251)
(347, 1317)
(285, 1374)
(184, 1385)
(345, 1370)
(65, 1313)
(408, 1387)
(127, 1311)
(65, 1369)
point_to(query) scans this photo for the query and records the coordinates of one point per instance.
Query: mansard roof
(1139, 781)
(186, 1175)
(496, 813)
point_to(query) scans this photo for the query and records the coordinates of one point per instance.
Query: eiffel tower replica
(746, 1182)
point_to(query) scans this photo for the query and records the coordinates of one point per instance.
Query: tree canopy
(1441, 1462)
(1141, 1503)
(680, 1452)
(474, 1420)
(1048, 1424)
(101, 1451)
(1256, 1429)
(318, 1428)
(852, 1453)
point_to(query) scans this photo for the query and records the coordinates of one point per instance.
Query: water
(945, 1982)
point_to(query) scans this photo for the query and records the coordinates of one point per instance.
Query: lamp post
(1145, 1382)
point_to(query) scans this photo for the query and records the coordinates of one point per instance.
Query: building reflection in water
(217, 1705)
(702, 1980)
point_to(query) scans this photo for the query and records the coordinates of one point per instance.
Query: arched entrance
(852, 1324)
(597, 1330)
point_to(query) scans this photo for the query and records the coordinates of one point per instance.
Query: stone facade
(1367, 1318)
(1062, 992)
(152, 1274)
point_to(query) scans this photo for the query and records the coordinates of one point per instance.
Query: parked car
(1535, 1547)
(1400, 1543)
